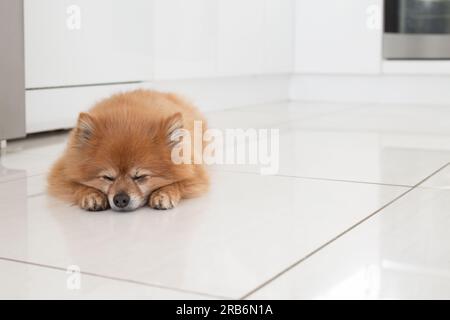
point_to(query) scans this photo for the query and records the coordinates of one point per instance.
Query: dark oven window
(417, 16)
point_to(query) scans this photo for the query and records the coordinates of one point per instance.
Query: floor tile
(401, 253)
(25, 281)
(20, 189)
(390, 118)
(304, 109)
(361, 157)
(31, 156)
(39, 144)
(18, 165)
(248, 228)
(272, 115)
(362, 144)
(34, 155)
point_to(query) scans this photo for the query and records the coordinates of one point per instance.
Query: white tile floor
(360, 209)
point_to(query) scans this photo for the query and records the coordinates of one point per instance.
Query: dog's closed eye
(140, 177)
(107, 178)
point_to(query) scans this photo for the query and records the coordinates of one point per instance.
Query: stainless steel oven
(416, 29)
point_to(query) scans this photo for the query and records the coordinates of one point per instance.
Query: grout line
(295, 264)
(117, 279)
(417, 185)
(316, 178)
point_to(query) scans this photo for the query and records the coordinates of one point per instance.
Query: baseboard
(58, 108)
(372, 89)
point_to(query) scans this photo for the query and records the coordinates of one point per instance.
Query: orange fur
(124, 138)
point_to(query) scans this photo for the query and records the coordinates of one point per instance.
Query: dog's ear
(85, 127)
(172, 129)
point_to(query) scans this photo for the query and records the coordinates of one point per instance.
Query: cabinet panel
(338, 36)
(185, 38)
(50, 109)
(240, 37)
(75, 42)
(278, 36)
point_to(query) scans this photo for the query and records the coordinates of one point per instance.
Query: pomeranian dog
(119, 155)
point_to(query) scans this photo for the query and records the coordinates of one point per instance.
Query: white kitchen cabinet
(185, 38)
(58, 108)
(278, 36)
(223, 37)
(79, 42)
(240, 37)
(255, 37)
(338, 36)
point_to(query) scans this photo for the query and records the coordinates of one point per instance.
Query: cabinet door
(76, 42)
(278, 36)
(338, 36)
(240, 37)
(185, 38)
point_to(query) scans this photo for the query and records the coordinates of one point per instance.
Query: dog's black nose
(121, 200)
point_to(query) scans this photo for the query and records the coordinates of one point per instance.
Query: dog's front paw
(94, 201)
(164, 199)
